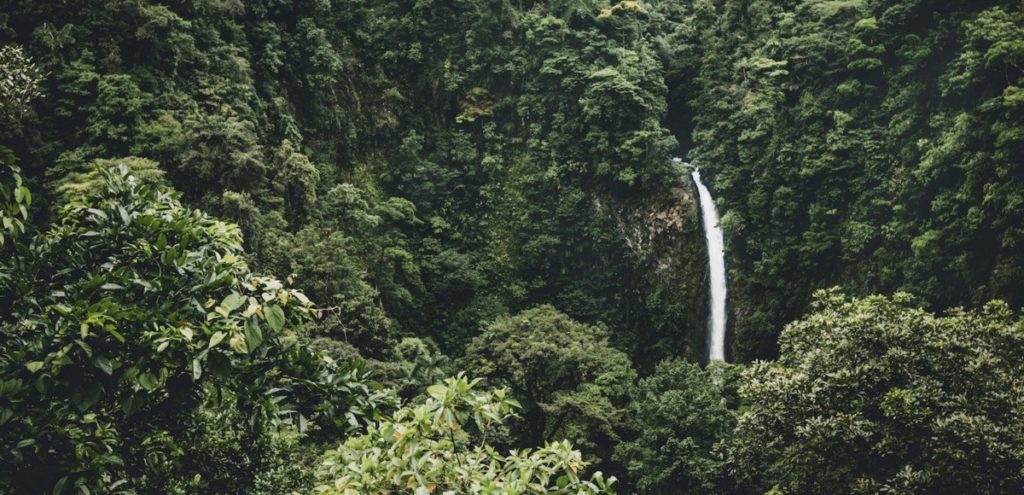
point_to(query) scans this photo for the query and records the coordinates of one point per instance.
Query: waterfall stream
(716, 266)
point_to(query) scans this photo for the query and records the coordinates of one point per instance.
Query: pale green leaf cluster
(440, 446)
(19, 83)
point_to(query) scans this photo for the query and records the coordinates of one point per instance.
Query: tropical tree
(441, 446)
(678, 415)
(126, 324)
(571, 382)
(874, 396)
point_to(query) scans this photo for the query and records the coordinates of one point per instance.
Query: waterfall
(716, 265)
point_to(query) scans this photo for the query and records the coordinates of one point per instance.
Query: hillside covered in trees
(442, 246)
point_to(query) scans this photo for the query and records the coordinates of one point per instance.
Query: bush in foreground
(440, 446)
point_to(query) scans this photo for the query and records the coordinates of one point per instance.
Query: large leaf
(275, 317)
(230, 303)
(148, 381)
(85, 395)
(437, 391)
(217, 338)
(253, 335)
(104, 364)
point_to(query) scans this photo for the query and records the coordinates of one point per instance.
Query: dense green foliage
(485, 188)
(679, 414)
(571, 383)
(422, 166)
(873, 396)
(427, 448)
(19, 84)
(128, 323)
(874, 144)
(15, 199)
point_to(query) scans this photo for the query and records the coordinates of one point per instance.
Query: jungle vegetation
(440, 246)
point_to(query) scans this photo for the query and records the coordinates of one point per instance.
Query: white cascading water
(716, 264)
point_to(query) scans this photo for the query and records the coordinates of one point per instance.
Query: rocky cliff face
(664, 233)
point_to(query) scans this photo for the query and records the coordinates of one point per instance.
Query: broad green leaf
(217, 338)
(85, 395)
(85, 347)
(275, 316)
(437, 391)
(148, 381)
(253, 335)
(104, 364)
(126, 218)
(99, 213)
(34, 366)
(232, 301)
(114, 333)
